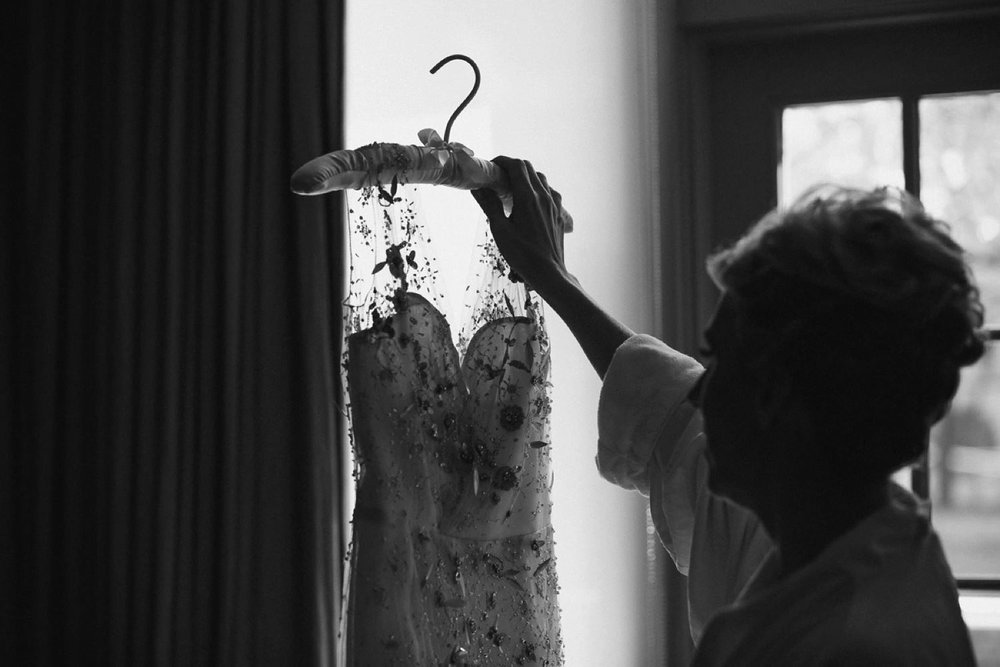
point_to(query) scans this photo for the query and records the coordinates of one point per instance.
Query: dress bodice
(452, 560)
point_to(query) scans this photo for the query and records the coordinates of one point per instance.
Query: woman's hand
(531, 239)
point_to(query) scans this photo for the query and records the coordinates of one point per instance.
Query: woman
(837, 343)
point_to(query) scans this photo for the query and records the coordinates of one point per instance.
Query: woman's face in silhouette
(728, 395)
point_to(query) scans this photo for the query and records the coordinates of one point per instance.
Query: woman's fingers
(490, 203)
(531, 191)
(524, 180)
(517, 171)
(556, 197)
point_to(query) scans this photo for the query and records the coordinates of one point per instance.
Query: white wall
(562, 87)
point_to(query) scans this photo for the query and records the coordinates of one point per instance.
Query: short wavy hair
(869, 306)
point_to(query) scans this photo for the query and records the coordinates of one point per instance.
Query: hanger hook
(465, 102)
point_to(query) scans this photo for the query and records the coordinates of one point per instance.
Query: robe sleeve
(650, 440)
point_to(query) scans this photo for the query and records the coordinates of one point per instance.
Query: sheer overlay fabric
(452, 556)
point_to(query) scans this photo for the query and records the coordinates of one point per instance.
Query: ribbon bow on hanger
(437, 162)
(441, 148)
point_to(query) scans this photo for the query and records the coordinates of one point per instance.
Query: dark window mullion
(979, 583)
(919, 471)
(911, 144)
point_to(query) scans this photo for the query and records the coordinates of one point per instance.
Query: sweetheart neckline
(415, 299)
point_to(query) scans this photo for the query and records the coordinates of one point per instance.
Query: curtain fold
(171, 335)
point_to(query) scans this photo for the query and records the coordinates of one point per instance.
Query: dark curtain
(168, 482)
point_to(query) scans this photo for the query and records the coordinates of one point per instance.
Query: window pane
(960, 169)
(848, 143)
(965, 472)
(959, 177)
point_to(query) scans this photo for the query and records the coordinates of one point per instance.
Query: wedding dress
(452, 553)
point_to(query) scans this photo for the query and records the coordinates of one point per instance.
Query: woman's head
(865, 304)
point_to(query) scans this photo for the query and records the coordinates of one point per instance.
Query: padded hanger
(436, 162)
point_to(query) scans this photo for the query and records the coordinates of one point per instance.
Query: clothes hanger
(437, 162)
